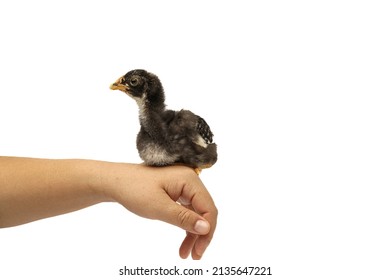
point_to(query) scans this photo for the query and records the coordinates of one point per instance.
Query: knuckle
(216, 212)
(184, 217)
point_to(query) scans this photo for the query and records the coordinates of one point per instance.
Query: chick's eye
(134, 81)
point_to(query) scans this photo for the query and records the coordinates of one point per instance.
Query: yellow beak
(118, 85)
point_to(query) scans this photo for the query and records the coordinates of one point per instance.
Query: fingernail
(202, 227)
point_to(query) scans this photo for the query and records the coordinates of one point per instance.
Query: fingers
(203, 204)
(198, 228)
(193, 243)
(199, 200)
(203, 241)
(187, 245)
(185, 218)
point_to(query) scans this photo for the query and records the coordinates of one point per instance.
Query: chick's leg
(198, 170)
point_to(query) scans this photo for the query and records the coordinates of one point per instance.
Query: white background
(297, 95)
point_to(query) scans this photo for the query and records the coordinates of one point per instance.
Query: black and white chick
(167, 137)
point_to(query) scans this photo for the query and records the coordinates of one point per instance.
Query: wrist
(97, 179)
(109, 179)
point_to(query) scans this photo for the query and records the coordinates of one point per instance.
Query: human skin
(33, 189)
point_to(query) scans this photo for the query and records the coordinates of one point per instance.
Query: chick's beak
(119, 85)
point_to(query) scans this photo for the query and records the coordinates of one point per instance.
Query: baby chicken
(167, 137)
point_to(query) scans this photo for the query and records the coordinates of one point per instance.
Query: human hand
(172, 194)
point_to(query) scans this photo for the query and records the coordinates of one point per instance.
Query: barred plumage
(204, 130)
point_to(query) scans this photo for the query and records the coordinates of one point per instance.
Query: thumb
(185, 218)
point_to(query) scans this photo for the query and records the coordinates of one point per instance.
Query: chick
(167, 137)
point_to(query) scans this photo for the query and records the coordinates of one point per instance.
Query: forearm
(32, 189)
